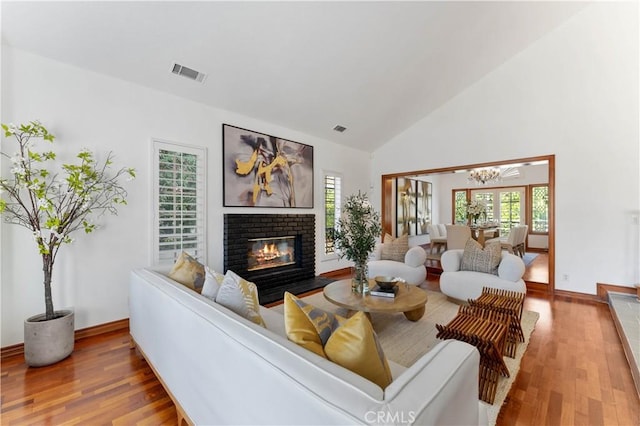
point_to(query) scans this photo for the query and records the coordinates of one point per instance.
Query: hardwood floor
(574, 372)
(102, 382)
(538, 270)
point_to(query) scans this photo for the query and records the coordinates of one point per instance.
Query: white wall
(572, 93)
(84, 109)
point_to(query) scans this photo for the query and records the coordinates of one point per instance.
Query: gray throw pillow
(477, 259)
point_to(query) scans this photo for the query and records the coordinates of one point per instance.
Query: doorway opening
(388, 202)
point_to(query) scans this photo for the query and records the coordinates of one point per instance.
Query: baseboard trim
(604, 288)
(577, 296)
(337, 273)
(538, 288)
(600, 296)
(108, 327)
(95, 330)
(13, 350)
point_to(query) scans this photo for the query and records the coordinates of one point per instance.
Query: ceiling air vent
(339, 128)
(188, 73)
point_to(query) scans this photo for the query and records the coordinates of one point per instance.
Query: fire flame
(270, 252)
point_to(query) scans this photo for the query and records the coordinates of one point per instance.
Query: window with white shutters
(332, 204)
(179, 198)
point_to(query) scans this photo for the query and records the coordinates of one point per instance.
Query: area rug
(404, 341)
(528, 258)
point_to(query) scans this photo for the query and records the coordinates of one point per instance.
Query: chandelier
(484, 176)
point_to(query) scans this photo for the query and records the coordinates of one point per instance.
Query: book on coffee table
(384, 292)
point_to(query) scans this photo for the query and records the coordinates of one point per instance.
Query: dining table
(482, 233)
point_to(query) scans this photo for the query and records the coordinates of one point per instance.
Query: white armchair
(412, 270)
(465, 285)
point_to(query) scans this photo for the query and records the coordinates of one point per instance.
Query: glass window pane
(331, 210)
(180, 201)
(460, 202)
(540, 209)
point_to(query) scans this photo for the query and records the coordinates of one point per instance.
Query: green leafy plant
(53, 206)
(358, 228)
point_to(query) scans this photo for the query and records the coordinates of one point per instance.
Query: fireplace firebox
(289, 256)
(265, 253)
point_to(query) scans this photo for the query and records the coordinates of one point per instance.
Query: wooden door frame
(387, 203)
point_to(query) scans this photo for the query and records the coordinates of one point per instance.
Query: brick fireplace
(242, 230)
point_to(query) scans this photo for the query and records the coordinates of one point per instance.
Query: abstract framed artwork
(413, 206)
(261, 170)
(424, 196)
(405, 206)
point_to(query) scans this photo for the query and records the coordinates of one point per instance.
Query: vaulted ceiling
(373, 67)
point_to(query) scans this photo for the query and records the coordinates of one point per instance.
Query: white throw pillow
(241, 296)
(212, 282)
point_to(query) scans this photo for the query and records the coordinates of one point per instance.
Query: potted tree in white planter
(53, 200)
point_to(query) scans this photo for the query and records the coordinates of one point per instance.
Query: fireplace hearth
(275, 251)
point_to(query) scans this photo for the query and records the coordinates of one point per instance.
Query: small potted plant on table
(355, 237)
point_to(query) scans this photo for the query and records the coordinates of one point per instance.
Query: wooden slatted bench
(507, 302)
(487, 331)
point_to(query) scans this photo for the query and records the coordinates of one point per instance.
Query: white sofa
(220, 368)
(465, 285)
(412, 270)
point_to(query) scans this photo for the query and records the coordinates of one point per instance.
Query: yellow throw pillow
(188, 272)
(351, 343)
(240, 296)
(355, 346)
(307, 325)
(394, 248)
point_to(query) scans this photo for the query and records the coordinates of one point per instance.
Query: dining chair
(511, 241)
(520, 247)
(437, 239)
(457, 236)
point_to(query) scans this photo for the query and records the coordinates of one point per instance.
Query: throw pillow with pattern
(188, 272)
(212, 282)
(475, 258)
(351, 343)
(240, 296)
(394, 248)
(308, 326)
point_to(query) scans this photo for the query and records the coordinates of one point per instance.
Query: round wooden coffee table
(410, 300)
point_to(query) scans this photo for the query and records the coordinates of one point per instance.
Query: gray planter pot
(47, 342)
